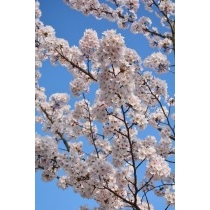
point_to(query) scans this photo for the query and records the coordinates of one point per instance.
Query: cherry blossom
(158, 62)
(118, 147)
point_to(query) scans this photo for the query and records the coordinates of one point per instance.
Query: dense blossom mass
(119, 168)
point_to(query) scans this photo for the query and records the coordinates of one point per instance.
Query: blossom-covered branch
(127, 124)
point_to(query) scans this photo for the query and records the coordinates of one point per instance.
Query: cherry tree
(118, 169)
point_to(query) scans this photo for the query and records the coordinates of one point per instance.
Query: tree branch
(57, 132)
(76, 66)
(90, 123)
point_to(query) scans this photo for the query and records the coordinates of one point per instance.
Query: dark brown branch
(123, 199)
(131, 190)
(159, 187)
(57, 132)
(76, 66)
(132, 156)
(147, 202)
(173, 137)
(140, 163)
(170, 24)
(169, 161)
(157, 34)
(91, 130)
(145, 184)
(167, 206)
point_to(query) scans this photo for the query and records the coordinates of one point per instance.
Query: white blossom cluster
(89, 43)
(158, 62)
(148, 4)
(125, 13)
(45, 153)
(126, 9)
(111, 50)
(157, 167)
(150, 89)
(141, 25)
(167, 6)
(170, 196)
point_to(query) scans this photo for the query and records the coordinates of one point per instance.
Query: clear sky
(17, 107)
(70, 25)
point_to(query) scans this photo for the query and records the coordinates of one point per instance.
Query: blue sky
(17, 106)
(70, 25)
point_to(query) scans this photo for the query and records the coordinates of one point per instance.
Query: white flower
(158, 62)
